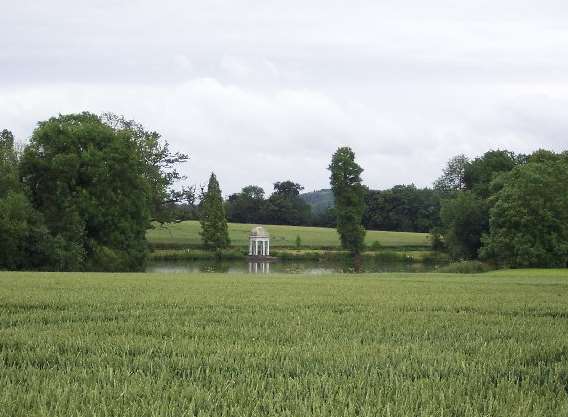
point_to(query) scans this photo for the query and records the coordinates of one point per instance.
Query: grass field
(215, 345)
(187, 233)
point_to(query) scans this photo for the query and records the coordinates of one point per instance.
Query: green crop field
(235, 345)
(187, 233)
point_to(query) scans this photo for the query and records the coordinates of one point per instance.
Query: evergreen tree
(214, 230)
(349, 199)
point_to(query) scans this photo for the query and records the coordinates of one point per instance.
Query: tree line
(403, 208)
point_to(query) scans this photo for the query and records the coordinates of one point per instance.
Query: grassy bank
(186, 235)
(195, 254)
(493, 344)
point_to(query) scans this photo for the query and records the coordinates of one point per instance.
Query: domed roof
(259, 231)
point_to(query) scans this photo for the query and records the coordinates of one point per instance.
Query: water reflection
(289, 266)
(259, 267)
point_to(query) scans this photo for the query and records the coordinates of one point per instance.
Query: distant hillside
(320, 200)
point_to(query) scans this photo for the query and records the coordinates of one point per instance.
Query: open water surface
(288, 267)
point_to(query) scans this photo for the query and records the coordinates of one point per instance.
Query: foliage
(349, 195)
(83, 193)
(376, 246)
(214, 232)
(464, 219)
(212, 345)
(464, 210)
(543, 155)
(403, 208)
(248, 206)
(453, 176)
(8, 164)
(167, 204)
(287, 189)
(25, 241)
(466, 267)
(480, 172)
(529, 218)
(196, 254)
(91, 186)
(437, 239)
(285, 205)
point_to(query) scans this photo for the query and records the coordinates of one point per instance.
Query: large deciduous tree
(349, 194)
(97, 185)
(214, 230)
(529, 218)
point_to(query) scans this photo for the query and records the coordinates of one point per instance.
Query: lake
(288, 266)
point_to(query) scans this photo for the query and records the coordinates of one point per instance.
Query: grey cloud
(261, 91)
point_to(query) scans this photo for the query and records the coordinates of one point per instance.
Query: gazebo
(259, 242)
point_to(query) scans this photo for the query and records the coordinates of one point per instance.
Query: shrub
(467, 267)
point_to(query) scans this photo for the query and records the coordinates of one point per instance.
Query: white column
(263, 248)
(267, 247)
(250, 247)
(256, 248)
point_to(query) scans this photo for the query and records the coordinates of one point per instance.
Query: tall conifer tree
(214, 230)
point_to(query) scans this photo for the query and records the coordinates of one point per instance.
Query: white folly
(259, 242)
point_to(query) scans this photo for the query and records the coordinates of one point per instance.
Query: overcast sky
(263, 91)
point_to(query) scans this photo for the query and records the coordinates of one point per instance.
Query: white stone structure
(259, 242)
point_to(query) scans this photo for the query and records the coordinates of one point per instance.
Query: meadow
(492, 344)
(186, 234)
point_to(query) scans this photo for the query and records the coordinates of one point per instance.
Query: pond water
(287, 267)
